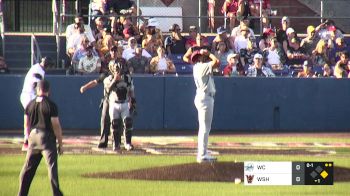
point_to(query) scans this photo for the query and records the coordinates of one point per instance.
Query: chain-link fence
(37, 15)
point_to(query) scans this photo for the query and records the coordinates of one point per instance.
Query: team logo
(168, 2)
(249, 167)
(249, 178)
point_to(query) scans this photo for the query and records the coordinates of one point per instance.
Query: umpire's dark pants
(40, 144)
(105, 124)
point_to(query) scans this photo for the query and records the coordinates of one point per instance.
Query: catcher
(122, 104)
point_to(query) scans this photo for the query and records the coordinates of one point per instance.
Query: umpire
(41, 120)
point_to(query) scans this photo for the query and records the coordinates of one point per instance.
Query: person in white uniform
(35, 74)
(204, 62)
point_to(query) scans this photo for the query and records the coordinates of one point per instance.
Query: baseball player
(122, 103)
(34, 75)
(204, 62)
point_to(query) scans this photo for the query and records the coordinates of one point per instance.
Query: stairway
(18, 51)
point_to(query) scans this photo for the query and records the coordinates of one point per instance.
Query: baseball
(238, 181)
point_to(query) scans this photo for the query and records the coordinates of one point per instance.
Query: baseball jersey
(120, 89)
(34, 75)
(203, 78)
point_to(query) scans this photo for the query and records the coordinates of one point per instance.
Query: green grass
(71, 167)
(283, 139)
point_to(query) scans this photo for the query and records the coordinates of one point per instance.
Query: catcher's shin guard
(128, 130)
(116, 126)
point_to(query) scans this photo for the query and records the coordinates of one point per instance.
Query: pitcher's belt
(120, 101)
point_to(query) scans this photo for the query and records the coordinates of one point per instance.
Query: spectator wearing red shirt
(230, 8)
(191, 40)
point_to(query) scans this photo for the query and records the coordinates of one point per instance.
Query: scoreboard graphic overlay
(288, 173)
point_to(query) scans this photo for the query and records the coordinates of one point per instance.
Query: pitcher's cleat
(206, 159)
(128, 147)
(25, 145)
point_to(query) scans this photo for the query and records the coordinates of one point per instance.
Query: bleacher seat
(181, 66)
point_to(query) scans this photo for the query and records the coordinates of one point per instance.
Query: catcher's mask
(114, 67)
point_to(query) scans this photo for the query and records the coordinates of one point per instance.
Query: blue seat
(184, 68)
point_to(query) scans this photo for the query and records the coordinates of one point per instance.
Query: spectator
(282, 34)
(89, 64)
(233, 68)
(79, 21)
(211, 19)
(221, 53)
(161, 64)
(244, 23)
(266, 38)
(295, 55)
(99, 30)
(255, 11)
(229, 9)
(125, 8)
(328, 31)
(3, 66)
(340, 45)
(341, 69)
(319, 56)
(307, 71)
(104, 45)
(327, 71)
(75, 40)
(129, 52)
(191, 40)
(247, 55)
(175, 43)
(200, 44)
(258, 70)
(241, 42)
(98, 10)
(221, 36)
(138, 64)
(152, 40)
(309, 43)
(82, 51)
(273, 56)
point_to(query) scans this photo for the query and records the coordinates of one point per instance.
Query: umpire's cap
(47, 62)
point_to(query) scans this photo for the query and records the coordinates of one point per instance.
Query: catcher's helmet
(114, 67)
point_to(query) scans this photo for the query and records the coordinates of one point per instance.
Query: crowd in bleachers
(279, 51)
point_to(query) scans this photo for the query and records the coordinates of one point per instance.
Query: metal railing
(35, 50)
(36, 15)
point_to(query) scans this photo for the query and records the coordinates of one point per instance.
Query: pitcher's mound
(209, 172)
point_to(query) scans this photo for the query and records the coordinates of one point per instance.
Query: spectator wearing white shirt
(74, 41)
(129, 52)
(161, 64)
(273, 57)
(242, 24)
(241, 42)
(78, 20)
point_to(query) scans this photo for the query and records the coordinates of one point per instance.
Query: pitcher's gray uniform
(121, 92)
(204, 102)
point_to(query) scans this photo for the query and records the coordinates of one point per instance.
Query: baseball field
(165, 165)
